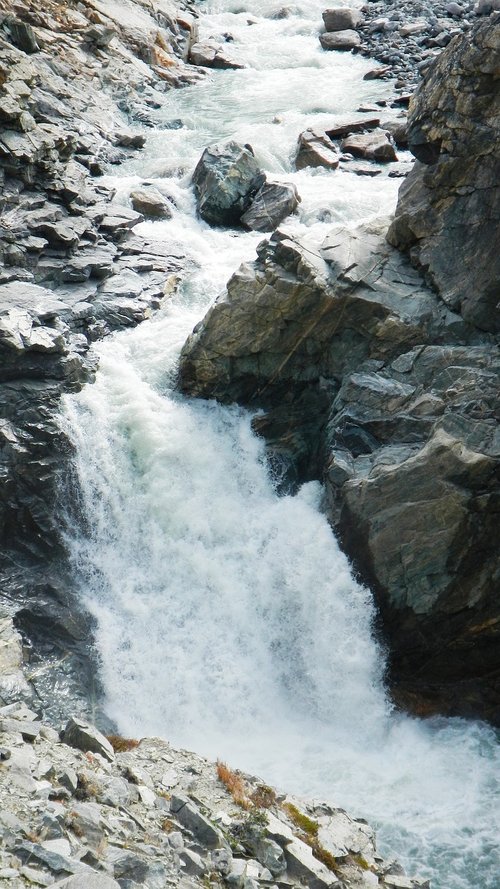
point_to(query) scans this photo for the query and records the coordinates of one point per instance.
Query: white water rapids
(227, 618)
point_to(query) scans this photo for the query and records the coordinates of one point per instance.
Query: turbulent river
(227, 619)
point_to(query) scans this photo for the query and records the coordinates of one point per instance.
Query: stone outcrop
(148, 815)
(373, 384)
(448, 212)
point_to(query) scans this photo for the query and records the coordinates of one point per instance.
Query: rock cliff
(448, 215)
(388, 389)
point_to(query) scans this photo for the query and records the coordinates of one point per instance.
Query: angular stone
(315, 149)
(85, 736)
(212, 55)
(273, 202)
(188, 814)
(150, 202)
(303, 866)
(94, 880)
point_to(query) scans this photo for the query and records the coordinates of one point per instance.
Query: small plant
(324, 856)
(235, 784)
(358, 859)
(121, 745)
(305, 824)
(167, 825)
(263, 796)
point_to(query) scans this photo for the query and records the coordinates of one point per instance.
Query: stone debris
(56, 831)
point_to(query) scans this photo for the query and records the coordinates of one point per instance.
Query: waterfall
(227, 619)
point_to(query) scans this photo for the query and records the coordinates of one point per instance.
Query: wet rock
(272, 203)
(315, 149)
(226, 179)
(340, 40)
(372, 146)
(85, 736)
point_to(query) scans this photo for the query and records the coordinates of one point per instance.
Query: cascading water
(227, 619)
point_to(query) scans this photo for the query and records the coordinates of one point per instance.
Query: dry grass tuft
(121, 745)
(234, 784)
(263, 796)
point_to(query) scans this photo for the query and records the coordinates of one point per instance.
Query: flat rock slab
(342, 40)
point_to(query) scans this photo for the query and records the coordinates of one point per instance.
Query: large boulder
(413, 486)
(226, 179)
(448, 214)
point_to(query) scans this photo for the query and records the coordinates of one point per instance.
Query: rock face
(371, 383)
(448, 211)
(79, 820)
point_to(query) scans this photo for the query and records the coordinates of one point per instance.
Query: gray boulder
(226, 180)
(342, 19)
(148, 201)
(342, 40)
(212, 55)
(272, 203)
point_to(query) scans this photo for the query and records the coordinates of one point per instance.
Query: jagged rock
(372, 146)
(85, 736)
(21, 34)
(302, 865)
(150, 202)
(298, 314)
(413, 447)
(188, 814)
(342, 40)
(226, 179)
(315, 149)
(342, 19)
(347, 128)
(272, 203)
(447, 213)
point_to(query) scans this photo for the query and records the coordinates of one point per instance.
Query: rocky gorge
(370, 357)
